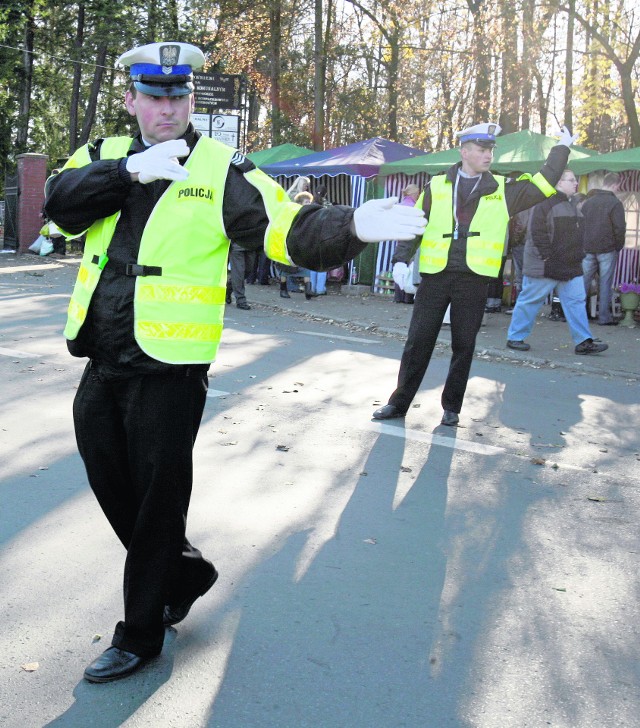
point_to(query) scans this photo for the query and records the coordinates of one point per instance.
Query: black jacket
(519, 195)
(320, 239)
(553, 248)
(604, 222)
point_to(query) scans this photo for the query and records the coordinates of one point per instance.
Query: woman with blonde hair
(302, 184)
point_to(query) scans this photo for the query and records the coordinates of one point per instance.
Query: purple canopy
(362, 159)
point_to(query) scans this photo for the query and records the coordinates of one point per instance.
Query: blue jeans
(318, 282)
(533, 294)
(604, 264)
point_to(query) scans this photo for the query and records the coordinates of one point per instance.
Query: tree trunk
(482, 63)
(392, 81)
(568, 87)
(90, 112)
(24, 112)
(275, 43)
(319, 76)
(510, 85)
(77, 78)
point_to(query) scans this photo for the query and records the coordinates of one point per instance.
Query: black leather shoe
(244, 306)
(449, 418)
(113, 664)
(388, 412)
(176, 613)
(518, 345)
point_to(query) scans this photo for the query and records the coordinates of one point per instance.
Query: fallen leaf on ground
(596, 498)
(30, 666)
(370, 540)
(282, 448)
(538, 461)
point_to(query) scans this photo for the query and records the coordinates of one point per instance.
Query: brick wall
(32, 174)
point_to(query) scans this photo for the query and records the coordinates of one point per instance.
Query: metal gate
(11, 211)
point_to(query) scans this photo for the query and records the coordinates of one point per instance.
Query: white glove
(159, 162)
(378, 220)
(566, 138)
(399, 272)
(409, 286)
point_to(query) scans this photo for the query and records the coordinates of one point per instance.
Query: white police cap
(163, 69)
(482, 134)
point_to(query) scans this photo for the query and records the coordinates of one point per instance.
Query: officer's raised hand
(566, 137)
(159, 162)
(378, 220)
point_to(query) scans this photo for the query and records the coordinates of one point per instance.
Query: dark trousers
(241, 262)
(467, 294)
(136, 436)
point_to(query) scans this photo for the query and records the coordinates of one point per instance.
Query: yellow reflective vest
(182, 259)
(484, 251)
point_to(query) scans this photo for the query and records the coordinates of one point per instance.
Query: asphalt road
(373, 575)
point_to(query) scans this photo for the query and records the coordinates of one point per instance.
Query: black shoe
(175, 614)
(244, 306)
(589, 346)
(227, 298)
(308, 293)
(284, 293)
(492, 309)
(388, 412)
(449, 418)
(613, 322)
(113, 664)
(518, 345)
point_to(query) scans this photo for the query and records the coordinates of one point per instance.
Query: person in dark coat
(605, 231)
(553, 256)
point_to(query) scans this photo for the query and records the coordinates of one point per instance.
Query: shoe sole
(93, 679)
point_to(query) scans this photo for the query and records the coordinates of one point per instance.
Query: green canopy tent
(622, 161)
(280, 153)
(522, 151)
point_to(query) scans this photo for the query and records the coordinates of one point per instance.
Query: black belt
(131, 269)
(460, 235)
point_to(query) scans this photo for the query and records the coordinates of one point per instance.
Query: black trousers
(136, 437)
(467, 294)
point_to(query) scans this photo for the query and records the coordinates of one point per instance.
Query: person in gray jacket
(553, 256)
(605, 230)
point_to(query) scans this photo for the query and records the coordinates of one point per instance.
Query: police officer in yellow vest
(468, 210)
(147, 310)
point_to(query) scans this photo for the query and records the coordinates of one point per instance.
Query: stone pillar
(32, 174)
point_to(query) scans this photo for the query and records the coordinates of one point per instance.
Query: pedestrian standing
(605, 232)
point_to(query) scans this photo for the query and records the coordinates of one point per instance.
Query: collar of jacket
(487, 185)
